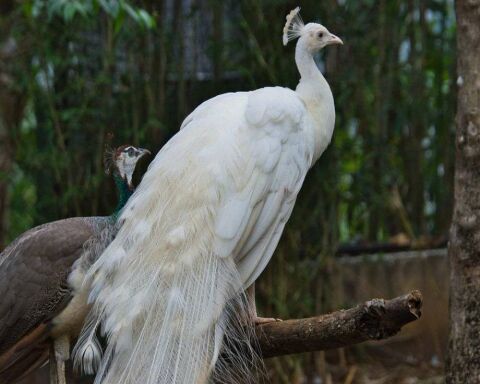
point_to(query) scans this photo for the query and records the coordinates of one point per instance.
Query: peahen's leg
(53, 365)
(59, 354)
(253, 308)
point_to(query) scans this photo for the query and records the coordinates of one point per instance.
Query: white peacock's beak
(334, 40)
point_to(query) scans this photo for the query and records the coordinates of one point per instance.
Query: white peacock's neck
(314, 90)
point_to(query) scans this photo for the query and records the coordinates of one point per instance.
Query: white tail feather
(166, 323)
(179, 339)
(87, 354)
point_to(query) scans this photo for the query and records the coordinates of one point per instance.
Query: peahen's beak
(142, 152)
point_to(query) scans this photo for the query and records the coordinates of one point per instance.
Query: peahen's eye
(131, 152)
(320, 35)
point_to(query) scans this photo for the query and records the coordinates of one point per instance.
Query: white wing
(265, 159)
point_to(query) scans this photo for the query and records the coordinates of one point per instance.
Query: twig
(374, 320)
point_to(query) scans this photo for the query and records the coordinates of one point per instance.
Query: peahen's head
(312, 36)
(123, 161)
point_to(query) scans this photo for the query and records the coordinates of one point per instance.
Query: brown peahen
(43, 299)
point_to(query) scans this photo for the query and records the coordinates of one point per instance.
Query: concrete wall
(361, 278)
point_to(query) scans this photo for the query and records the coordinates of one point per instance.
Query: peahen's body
(204, 223)
(43, 304)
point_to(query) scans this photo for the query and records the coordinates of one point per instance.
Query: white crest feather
(293, 27)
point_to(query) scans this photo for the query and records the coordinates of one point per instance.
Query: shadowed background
(72, 71)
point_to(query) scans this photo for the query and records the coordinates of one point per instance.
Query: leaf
(83, 8)
(148, 20)
(131, 12)
(119, 21)
(69, 11)
(111, 8)
(54, 8)
(140, 16)
(27, 8)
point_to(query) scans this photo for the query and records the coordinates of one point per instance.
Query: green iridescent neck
(123, 191)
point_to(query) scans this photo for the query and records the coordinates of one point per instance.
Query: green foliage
(67, 10)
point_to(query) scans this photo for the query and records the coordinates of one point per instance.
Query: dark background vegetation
(73, 70)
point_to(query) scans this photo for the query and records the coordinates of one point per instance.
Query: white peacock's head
(313, 36)
(316, 36)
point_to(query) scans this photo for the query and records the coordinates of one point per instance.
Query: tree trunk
(463, 365)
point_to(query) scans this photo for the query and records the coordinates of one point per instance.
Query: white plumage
(204, 223)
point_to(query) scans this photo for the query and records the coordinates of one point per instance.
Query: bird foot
(264, 320)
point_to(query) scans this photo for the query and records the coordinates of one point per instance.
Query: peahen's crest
(108, 154)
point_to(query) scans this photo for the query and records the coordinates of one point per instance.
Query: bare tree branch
(374, 320)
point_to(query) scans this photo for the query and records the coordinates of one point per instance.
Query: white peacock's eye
(320, 35)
